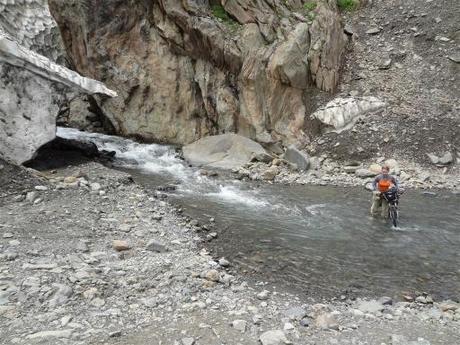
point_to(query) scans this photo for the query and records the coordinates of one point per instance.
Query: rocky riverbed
(89, 257)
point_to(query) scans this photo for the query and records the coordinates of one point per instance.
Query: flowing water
(316, 240)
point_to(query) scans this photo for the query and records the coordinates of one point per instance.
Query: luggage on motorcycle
(384, 185)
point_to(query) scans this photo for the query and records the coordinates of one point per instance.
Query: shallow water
(317, 240)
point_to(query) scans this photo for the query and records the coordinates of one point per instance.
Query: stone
(305, 322)
(454, 58)
(363, 173)
(8, 235)
(61, 296)
(155, 246)
(188, 341)
(224, 262)
(341, 114)
(370, 307)
(375, 168)
(433, 158)
(31, 196)
(70, 179)
(446, 158)
(350, 169)
(288, 326)
(298, 158)
(373, 31)
(424, 299)
(95, 186)
(97, 302)
(225, 151)
(48, 335)
(385, 300)
(270, 173)
(120, 245)
(212, 275)
(81, 247)
(263, 295)
(385, 64)
(41, 188)
(326, 321)
(295, 313)
(240, 325)
(446, 306)
(274, 337)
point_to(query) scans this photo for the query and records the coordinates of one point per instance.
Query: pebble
(120, 245)
(288, 326)
(31, 196)
(240, 325)
(373, 31)
(326, 321)
(370, 306)
(263, 295)
(70, 179)
(41, 188)
(8, 235)
(95, 186)
(156, 246)
(212, 275)
(188, 341)
(275, 337)
(223, 262)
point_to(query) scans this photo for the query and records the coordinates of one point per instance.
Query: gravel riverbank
(89, 257)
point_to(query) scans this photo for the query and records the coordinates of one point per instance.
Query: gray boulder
(225, 151)
(298, 158)
(275, 337)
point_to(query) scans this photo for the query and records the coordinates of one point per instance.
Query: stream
(316, 240)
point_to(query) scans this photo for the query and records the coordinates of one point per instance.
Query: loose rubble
(125, 267)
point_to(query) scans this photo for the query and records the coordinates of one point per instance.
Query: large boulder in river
(189, 69)
(296, 157)
(225, 151)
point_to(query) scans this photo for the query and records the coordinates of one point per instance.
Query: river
(315, 240)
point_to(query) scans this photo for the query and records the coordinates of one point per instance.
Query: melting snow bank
(31, 89)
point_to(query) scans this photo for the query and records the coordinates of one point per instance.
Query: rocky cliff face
(187, 69)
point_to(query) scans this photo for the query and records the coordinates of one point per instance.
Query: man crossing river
(382, 183)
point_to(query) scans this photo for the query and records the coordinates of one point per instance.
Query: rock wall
(187, 69)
